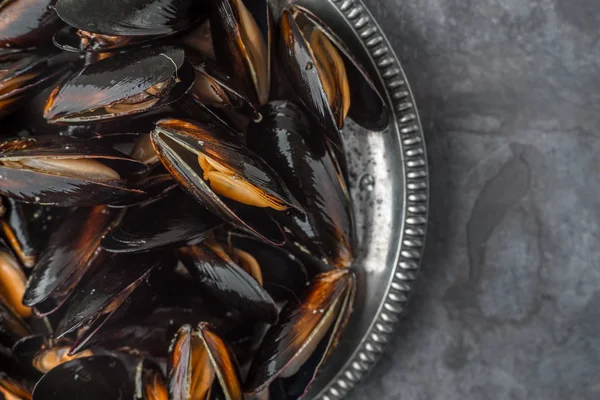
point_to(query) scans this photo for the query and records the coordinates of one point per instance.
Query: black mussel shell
(178, 144)
(63, 189)
(96, 92)
(220, 277)
(213, 87)
(27, 23)
(104, 289)
(294, 149)
(299, 64)
(92, 378)
(27, 228)
(133, 17)
(284, 276)
(153, 186)
(198, 359)
(297, 346)
(368, 107)
(66, 257)
(12, 327)
(237, 50)
(173, 220)
(24, 74)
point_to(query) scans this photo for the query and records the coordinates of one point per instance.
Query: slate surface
(508, 306)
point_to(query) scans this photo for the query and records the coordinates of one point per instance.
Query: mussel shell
(93, 378)
(233, 96)
(170, 221)
(34, 186)
(221, 361)
(178, 143)
(67, 255)
(368, 107)
(12, 327)
(45, 66)
(320, 315)
(284, 276)
(300, 67)
(98, 288)
(294, 149)
(228, 282)
(131, 18)
(116, 78)
(28, 227)
(27, 23)
(228, 44)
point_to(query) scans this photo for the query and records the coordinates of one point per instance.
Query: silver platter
(389, 188)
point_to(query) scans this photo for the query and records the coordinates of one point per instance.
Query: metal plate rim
(416, 199)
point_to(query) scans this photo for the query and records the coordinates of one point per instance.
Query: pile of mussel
(175, 219)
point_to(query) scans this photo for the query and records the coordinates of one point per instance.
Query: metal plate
(389, 188)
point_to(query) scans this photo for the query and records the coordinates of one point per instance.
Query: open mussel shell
(27, 23)
(368, 107)
(298, 153)
(23, 74)
(177, 219)
(27, 228)
(213, 87)
(330, 97)
(179, 143)
(93, 378)
(199, 359)
(62, 171)
(131, 18)
(105, 289)
(241, 32)
(42, 353)
(297, 346)
(219, 276)
(125, 84)
(67, 257)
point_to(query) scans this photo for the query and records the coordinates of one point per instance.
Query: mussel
(222, 174)
(298, 153)
(104, 292)
(44, 353)
(241, 34)
(94, 378)
(68, 255)
(201, 364)
(27, 23)
(328, 80)
(104, 25)
(58, 170)
(125, 84)
(27, 227)
(179, 220)
(11, 389)
(307, 331)
(23, 74)
(231, 275)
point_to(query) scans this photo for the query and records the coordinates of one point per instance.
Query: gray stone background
(508, 305)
